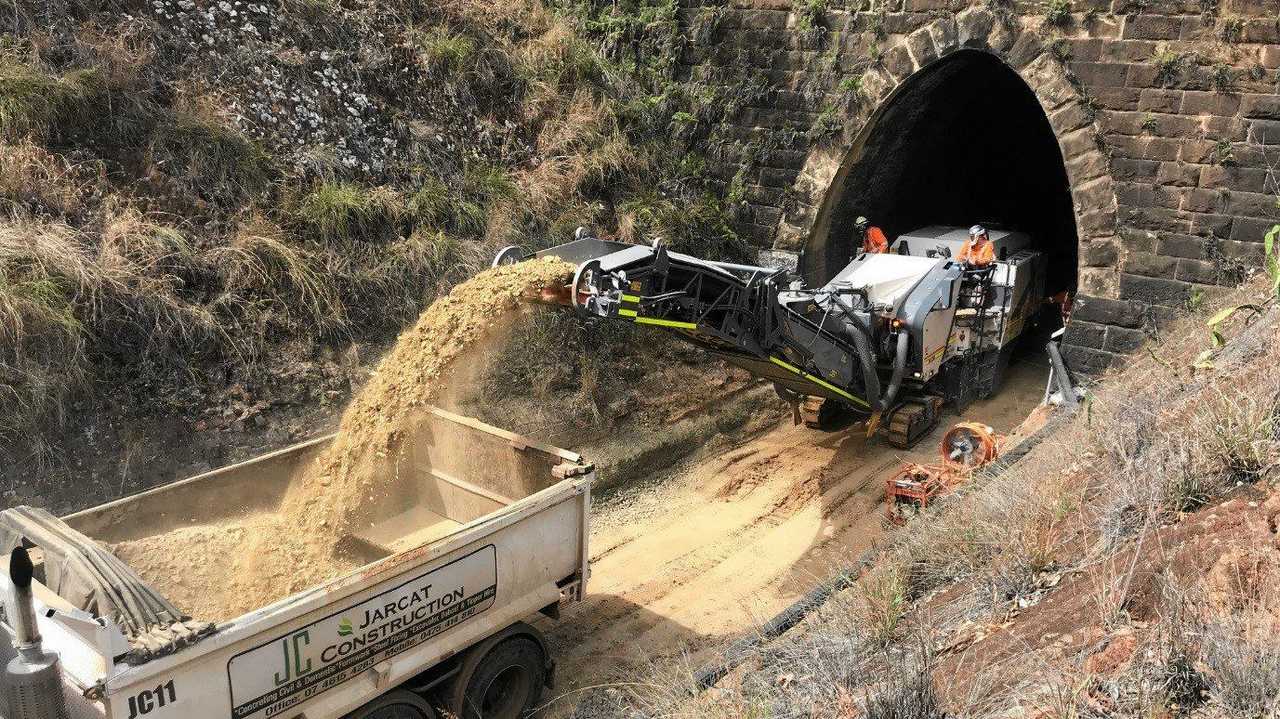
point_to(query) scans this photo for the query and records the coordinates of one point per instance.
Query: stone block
(1178, 174)
(1085, 360)
(1140, 241)
(1200, 102)
(1162, 149)
(1231, 129)
(1235, 178)
(1208, 225)
(1002, 37)
(1150, 264)
(1135, 194)
(1026, 48)
(1264, 132)
(945, 35)
(1260, 107)
(1271, 57)
(905, 23)
(1117, 98)
(1069, 118)
(974, 26)
(1121, 340)
(1248, 252)
(920, 45)
(1251, 229)
(1187, 246)
(1085, 334)
(1087, 49)
(1200, 199)
(876, 84)
(1087, 166)
(1199, 272)
(1154, 290)
(1074, 144)
(1252, 204)
(1106, 311)
(1100, 74)
(1100, 253)
(1096, 222)
(1098, 281)
(1052, 86)
(1153, 27)
(1198, 152)
(1134, 169)
(765, 215)
(897, 61)
(1265, 32)
(1124, 123)
(1156, 219)
(1141, 75)
(1128, 51)
(1168, 101)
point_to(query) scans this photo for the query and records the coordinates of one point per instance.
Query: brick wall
(1166, 112)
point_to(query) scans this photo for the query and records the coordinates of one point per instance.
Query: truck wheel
(399, 704)
(505, 684)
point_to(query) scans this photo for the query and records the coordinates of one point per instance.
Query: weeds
(884, 598)
(1231, 30)
(1057, 13)
(1223, 77)
(1169, 65)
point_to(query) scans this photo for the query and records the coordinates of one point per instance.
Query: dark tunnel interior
(965, 141)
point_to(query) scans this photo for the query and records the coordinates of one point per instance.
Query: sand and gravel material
(220, 571)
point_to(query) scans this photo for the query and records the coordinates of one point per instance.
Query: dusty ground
(703, 553)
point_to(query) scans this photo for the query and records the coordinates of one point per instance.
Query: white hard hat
(860, 221)
(977, 230)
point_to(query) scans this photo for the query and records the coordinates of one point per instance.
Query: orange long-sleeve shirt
(875, 242)
(979, 254)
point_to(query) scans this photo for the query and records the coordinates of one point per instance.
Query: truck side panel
(347, 650)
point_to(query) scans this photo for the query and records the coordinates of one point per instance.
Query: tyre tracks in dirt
(709, 550)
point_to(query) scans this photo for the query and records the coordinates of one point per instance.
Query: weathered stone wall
(1166, 112)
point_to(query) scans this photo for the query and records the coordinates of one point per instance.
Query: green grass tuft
(342, 211)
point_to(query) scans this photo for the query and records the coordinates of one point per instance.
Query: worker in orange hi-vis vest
(977, 251)
(873, 239)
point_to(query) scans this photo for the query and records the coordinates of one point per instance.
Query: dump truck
(438, 616)
(890, 338)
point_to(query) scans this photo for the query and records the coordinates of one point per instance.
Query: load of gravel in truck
(222, 569)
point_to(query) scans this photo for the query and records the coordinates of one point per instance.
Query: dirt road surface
(703, 553)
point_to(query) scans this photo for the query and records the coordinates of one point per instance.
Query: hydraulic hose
(899, 367)
(866, 353)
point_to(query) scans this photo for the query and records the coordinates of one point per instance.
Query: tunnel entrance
(963, 141)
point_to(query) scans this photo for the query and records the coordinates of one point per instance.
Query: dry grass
(35, 181)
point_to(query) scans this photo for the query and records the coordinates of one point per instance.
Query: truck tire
(503, 684)
(399, 704)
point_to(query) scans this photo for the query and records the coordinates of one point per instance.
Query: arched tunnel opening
(964, 141)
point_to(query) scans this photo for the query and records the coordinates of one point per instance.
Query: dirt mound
(221, 571)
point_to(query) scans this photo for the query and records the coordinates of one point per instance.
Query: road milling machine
(889, 339)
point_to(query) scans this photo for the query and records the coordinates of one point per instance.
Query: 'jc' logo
(294, 666)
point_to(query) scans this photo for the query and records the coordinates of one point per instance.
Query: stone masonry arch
(820, 183)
